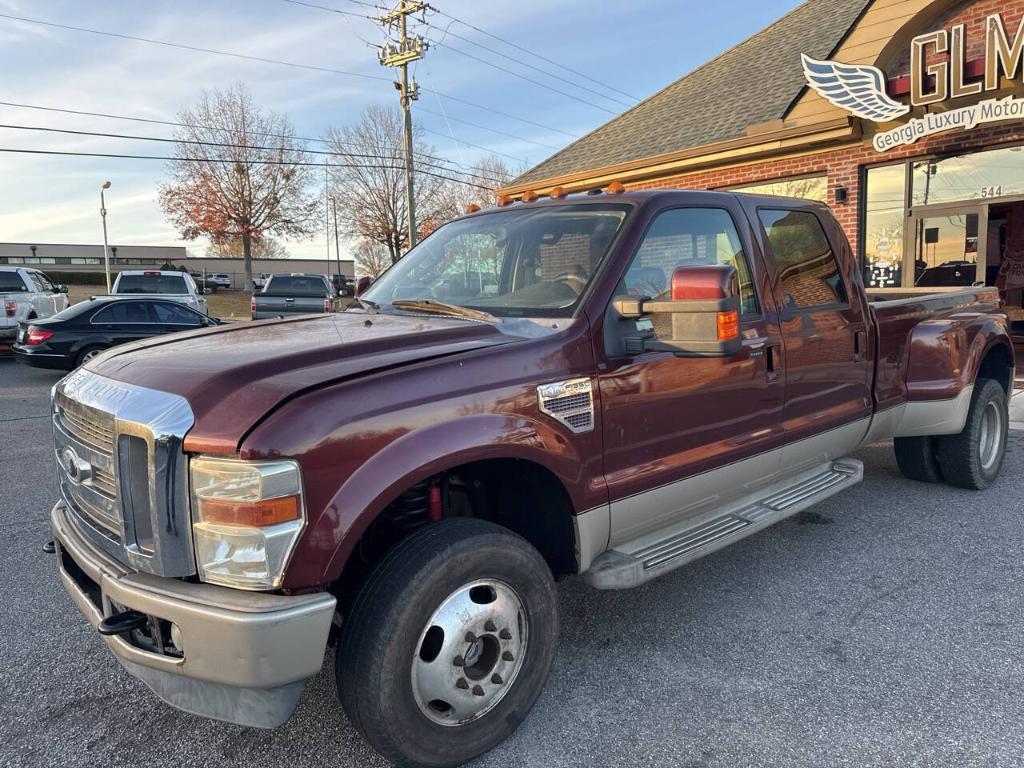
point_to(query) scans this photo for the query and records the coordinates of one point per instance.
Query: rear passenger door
(823, 317)
(123, 321)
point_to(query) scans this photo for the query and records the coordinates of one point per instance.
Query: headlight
(246, 520)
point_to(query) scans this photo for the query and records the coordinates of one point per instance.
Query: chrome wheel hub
(991, 442)
(470, 652)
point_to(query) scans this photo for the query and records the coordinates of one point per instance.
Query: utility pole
(337, 242)
(400, 55)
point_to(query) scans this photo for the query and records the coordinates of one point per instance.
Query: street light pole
(106, 248)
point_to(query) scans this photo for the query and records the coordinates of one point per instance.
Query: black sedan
(84, 330)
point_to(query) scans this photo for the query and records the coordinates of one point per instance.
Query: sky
(634, 47)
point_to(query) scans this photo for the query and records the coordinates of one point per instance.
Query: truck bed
(924, 343)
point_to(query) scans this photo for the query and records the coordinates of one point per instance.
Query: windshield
(519, 262)
(151, 284)
(301, 286)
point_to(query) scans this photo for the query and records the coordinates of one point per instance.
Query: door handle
(773, 361)
(859, 342)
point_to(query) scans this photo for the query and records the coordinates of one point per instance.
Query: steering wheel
(573, 281)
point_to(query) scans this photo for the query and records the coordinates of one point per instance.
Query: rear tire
(449, 643)
(973, 458)
(88, 354)
(918, 458)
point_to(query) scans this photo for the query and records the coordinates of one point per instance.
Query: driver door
(671, 421)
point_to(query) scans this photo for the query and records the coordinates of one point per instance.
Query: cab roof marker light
(616, 188)
(529, 197)
(559, 192)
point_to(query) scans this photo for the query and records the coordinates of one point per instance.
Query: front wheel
(449, 643)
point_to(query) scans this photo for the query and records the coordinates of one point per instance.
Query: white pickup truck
(175, 286)
(27, 294)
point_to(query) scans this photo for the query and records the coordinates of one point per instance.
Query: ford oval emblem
(78, 470)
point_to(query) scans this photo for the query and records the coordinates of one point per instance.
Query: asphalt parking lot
(884, 628)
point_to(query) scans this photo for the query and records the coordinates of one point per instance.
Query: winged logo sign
(857, 89)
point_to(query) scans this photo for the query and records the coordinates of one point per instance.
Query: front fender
(422, 453)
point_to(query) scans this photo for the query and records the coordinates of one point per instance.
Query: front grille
(122, 471)
(90, 425)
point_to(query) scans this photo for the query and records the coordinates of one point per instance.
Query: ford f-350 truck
(607, 385)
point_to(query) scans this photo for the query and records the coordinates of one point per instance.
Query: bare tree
(371, 258)
(265, 248)
(244, 178)
(371, 193)
(477, 187)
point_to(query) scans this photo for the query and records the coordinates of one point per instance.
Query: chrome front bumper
(244, 657)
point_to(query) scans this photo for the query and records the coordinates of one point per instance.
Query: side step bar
(634, 563)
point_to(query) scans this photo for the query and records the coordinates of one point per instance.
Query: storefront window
(808, 188)
(947, 251)
(977, 176)
(883, 230)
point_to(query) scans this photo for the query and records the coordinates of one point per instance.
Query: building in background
(67, 260)
(906, 116)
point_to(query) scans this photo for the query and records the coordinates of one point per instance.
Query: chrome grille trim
(90, 414)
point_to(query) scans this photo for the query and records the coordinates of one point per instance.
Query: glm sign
(938, 74)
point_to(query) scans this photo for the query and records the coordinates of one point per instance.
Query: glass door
(943, 247)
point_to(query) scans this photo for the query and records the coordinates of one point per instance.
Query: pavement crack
(25, 418)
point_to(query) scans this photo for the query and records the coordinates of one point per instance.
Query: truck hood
(234, 375)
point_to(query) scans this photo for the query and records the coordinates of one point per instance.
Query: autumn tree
(370, 190)
(477, 187)
(266, 247)
(371, 258)
(238, 175)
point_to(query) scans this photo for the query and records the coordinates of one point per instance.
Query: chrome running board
(646, 558)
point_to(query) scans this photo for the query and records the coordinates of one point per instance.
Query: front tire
(973, 458)
(449, 643)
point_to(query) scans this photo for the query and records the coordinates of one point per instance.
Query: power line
(530, 80)
(486, 128)
(470, 144)
(488, 63)
(532, 53)
(168, 158)
(224, 145)
(278, 62)
(456, 167)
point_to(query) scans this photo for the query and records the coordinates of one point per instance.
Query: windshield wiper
(441, 308)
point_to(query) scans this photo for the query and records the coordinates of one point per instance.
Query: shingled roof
(754, 82)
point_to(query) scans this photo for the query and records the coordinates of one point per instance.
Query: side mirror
(362, 285)
(703, 313)
(60, 288)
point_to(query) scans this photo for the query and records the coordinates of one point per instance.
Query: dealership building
(68, 261)
(905, 116)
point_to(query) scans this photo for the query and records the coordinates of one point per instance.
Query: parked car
(260, 281)
(79, 333)
(204, 285)
(221, 279)
(27, 294)
(173, 286)
(294, 293)
(657, 375)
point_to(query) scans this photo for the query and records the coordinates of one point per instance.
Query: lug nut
(458, 661)
(505, 634)
(478, 690)
(507, 656)
(496, 679)
(461, 683)
(490, 626)
(470, 637)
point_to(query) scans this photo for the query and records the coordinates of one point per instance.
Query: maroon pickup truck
(608, 385)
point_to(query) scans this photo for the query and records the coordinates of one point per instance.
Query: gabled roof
(755, 82)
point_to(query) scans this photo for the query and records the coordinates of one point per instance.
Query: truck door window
(684, 237)
(808, 271)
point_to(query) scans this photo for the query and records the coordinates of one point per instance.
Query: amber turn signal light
(728, 325)
(256, 514)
